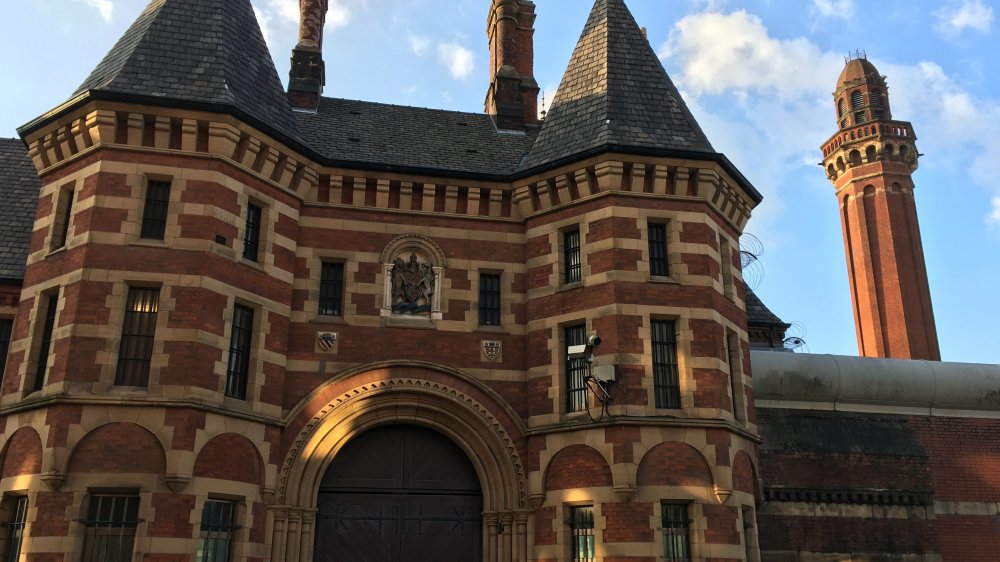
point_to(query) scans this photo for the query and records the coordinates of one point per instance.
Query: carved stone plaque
(326, 342)
(492, 351)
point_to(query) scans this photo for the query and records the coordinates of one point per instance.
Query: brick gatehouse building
(248, 323)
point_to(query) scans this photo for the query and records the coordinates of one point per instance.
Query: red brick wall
(229, 457)
(673, 464)
(23, 454)
(577, 466)
(102, 450)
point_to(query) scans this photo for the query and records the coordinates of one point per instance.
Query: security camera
(584, 351)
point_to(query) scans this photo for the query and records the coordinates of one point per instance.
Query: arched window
(857, 99)
(871, 154)
(855, 157)
(876, 96)
(841, 107)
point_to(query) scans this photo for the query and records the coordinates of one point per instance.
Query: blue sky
(758, 75)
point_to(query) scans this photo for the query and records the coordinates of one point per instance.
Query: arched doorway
(399, 493)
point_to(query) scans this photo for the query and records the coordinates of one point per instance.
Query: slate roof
(382, 135)
(758, 313)
(615, 93)
(19, 187)
(202, 51)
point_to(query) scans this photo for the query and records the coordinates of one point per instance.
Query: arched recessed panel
(577, 466)
(744, 479)
(23, 454)
(674, 464)
(399, 493)
(103, 450)
(229, 457)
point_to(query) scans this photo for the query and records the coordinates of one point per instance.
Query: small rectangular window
(666, 384)
(6, 329)
(489, 299)
(138, 328)
(658, 250)
(581, 523)
(571, 255)
(331, 289)
(64, 212)
(735, 364)
(238, 369)
(726, 263)
(109, 530)
(217, 530)
(17, 510)
(251, 237)
(576, 369)
(48, 313)
(154, 213)
(676, 532)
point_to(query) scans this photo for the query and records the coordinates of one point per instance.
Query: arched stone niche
(412, 271)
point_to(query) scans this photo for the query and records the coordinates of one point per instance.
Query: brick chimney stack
(870, 161)
(512, 99)
(308, 73)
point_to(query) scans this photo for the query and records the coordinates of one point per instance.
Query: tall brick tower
(870, 161)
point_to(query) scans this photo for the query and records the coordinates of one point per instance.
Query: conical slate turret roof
(208, 52)
(615, 94)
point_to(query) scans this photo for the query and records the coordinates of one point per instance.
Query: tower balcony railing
(865, 131)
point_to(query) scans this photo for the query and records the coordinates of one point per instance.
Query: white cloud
(720, 52)
(837, 9)
(105, 7)
(420, 44)
(264, 20)
(959, 15)
(338, 13)
(995, 215)
(460, 60)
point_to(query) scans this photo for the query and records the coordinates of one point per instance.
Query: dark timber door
(400, 493)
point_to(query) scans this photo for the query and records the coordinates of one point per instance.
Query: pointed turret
(615, 95)
(206, 54)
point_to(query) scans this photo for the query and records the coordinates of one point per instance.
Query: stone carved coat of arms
(412, 286)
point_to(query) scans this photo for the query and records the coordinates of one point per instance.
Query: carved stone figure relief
(412, 286)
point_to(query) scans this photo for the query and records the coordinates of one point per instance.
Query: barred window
(331, 289)
(571, 255)
(6, 328)
(217, 531)
(666, 385)
(138, 327)
(857, 99)
(581, 523)
(749, 533)
(489, 299)
(251, 237)
(60, 228)
(576, 369)
(676, 532)
(49, 304)
(17, 512)
(238, 369)
(735, 362)
(109, 530)
(154, 213)
(658, 249)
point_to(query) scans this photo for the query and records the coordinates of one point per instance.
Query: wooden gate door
(400, 493)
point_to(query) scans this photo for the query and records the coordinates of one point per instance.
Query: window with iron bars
(138, 328)
(251, 237)
(109, 530)
(489, 299)
(676, 532)
(571, 255)
(18, 510)
(581, 524)
(658, 250)
(666, 384)
(217, 531)
(331, 289)
(154, 212)
(576, 369)
(238, 369)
